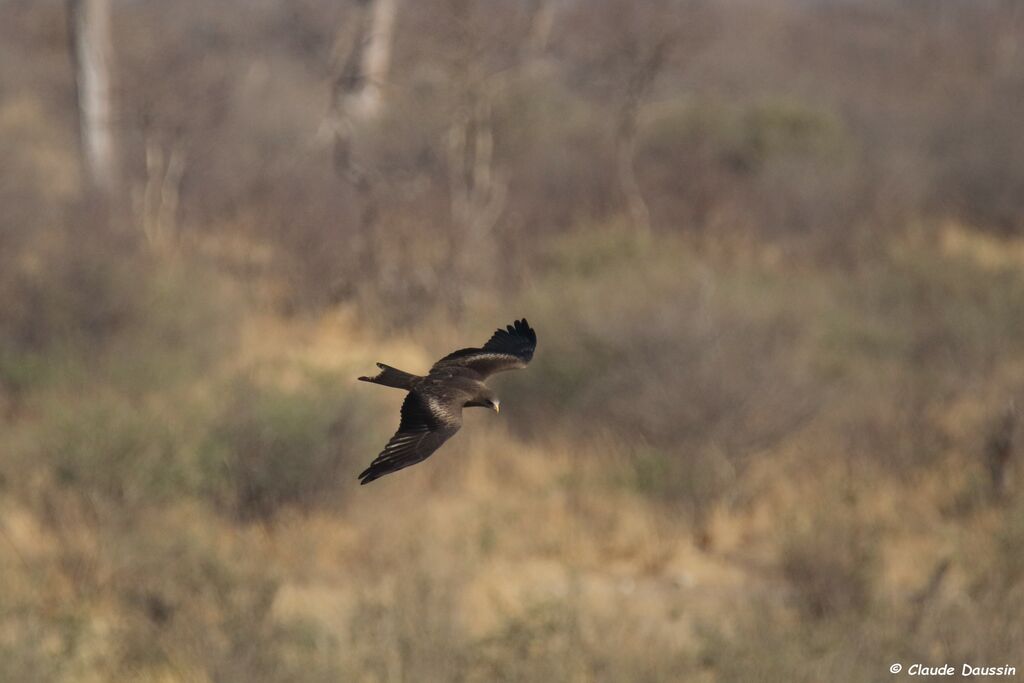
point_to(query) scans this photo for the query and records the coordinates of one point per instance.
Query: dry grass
(528, 548)
(754, 445)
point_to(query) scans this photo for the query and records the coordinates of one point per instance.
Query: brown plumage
(432, 410)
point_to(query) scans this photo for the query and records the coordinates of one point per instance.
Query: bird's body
(432, 410)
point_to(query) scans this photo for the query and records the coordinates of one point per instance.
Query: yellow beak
(497, 407)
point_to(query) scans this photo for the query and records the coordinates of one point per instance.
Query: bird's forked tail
(391, 377)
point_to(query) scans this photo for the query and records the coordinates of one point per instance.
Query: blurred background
(773, 253)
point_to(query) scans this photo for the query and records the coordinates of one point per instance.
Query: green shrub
(109, 450)
(413, 635)
(85, 302)
(193, 599)
(768, 645)
(688, 481)
(830, 564)
(692, 370)
(540, 644)
(272, 448)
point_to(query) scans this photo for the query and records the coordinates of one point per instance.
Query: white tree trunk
(363, 52)
(376, 59)
(92, 53)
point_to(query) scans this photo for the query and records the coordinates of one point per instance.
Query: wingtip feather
(523, 327)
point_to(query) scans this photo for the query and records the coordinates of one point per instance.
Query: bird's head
(485, 399)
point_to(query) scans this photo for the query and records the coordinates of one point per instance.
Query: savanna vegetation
(774, 253)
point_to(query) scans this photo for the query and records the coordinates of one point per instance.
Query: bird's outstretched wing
(507, 349)
(427, 422)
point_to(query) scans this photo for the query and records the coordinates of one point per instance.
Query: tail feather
(391, 377)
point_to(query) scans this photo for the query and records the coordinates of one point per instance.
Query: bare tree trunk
(478, 192)
(639, 85)
(92, 55)
(625, 155)
(541, 24)
(358, 88)
(999, 450)
(357, 98)
(159, 210)
(478, 185)
(376, 59)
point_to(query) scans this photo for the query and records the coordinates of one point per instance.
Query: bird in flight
(432, 410)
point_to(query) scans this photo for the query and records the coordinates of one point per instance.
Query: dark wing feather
(427, 422)
(507, 349)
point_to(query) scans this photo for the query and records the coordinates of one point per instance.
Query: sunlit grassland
(703, 446)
